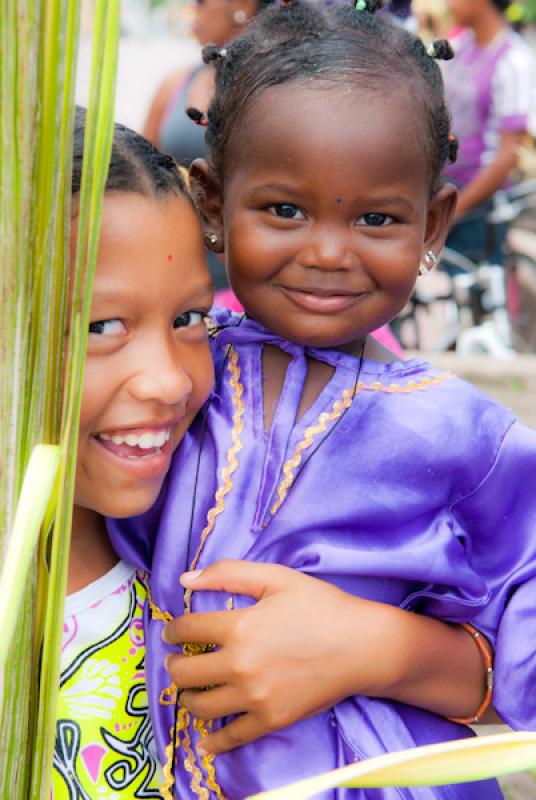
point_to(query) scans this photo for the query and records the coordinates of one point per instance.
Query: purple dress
(421, 495)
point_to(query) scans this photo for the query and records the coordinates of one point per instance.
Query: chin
(130, 504)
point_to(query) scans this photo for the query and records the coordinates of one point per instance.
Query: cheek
(200, 368)
(92, 394)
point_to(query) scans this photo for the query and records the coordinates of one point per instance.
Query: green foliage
(38, 46)
(459, 761)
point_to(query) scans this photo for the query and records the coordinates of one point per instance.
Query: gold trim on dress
(191, 649)
(339, 406)
(232, 464)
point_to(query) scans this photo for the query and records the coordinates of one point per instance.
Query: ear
(207, 191)
(440, 216)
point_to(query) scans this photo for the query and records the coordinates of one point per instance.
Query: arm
(305, 646)
(492, 177)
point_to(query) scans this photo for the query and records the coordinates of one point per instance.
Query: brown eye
(106, 327)
(287, 211)
(189, 319)
(375, 220)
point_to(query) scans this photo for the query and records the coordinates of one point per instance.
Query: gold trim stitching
(310, 433)
(232, 463)
(156, 612)
(337, 409)
(406, 388)
(191, 649)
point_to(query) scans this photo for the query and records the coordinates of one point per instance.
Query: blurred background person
(490, 95)
(168, 126)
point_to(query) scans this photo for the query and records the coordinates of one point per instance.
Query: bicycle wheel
(521, 300)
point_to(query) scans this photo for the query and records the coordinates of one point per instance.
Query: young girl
(397, 483)
(148, 371)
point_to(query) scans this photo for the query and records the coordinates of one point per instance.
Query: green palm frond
(39, 47)
(460, 761)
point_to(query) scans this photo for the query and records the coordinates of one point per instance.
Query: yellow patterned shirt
(104, 741)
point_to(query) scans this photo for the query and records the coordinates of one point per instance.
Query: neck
(92, 555)
(488, 26)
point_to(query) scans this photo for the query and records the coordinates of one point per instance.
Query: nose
(329, 247)
(161, 375)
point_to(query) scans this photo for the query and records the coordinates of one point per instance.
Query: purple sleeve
(497, 525)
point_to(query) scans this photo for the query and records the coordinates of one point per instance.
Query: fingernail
(187, 577)
(166, 662)
(201, 750)
(163, 634)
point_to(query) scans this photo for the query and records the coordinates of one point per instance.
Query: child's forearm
(435, 665)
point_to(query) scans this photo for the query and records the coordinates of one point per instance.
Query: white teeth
(145, 441)
(161, 438)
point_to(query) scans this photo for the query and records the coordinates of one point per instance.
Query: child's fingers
(199, 628)
(240, 731)
(242, 577)
(222, 701)
(191, 672)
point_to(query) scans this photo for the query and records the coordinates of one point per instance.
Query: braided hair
(299, 41)
(135, 164)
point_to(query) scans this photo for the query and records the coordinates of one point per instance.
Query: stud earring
(211, 240)
(428, 263)
(240, 17)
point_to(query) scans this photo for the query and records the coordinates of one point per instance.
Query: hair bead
(441, 49)
(197, 116)
(368, 5)
(212, 52)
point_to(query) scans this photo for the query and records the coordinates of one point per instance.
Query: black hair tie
(368, 5)
(441, 49)
(453, 148)
(212, 52)
(197, 116)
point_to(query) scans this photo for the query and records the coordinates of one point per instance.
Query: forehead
(370, 134)
(149, 246)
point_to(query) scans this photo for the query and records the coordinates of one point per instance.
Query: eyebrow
(295, 190)
(109, 294)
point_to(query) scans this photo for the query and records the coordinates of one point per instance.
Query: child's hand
(306, 645)
(285, 658)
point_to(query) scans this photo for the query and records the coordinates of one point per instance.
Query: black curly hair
(135, 164)
(502, 5)
(300, 41)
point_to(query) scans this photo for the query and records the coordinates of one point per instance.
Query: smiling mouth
(323, 300)
(136, 444)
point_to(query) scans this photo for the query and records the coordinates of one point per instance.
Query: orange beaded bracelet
(487, 655)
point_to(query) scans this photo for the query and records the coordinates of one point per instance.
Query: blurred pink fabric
(384, 335)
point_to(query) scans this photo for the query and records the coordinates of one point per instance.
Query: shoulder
(456, 428)
(517, 58)
(162, 98)
(462, 40)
